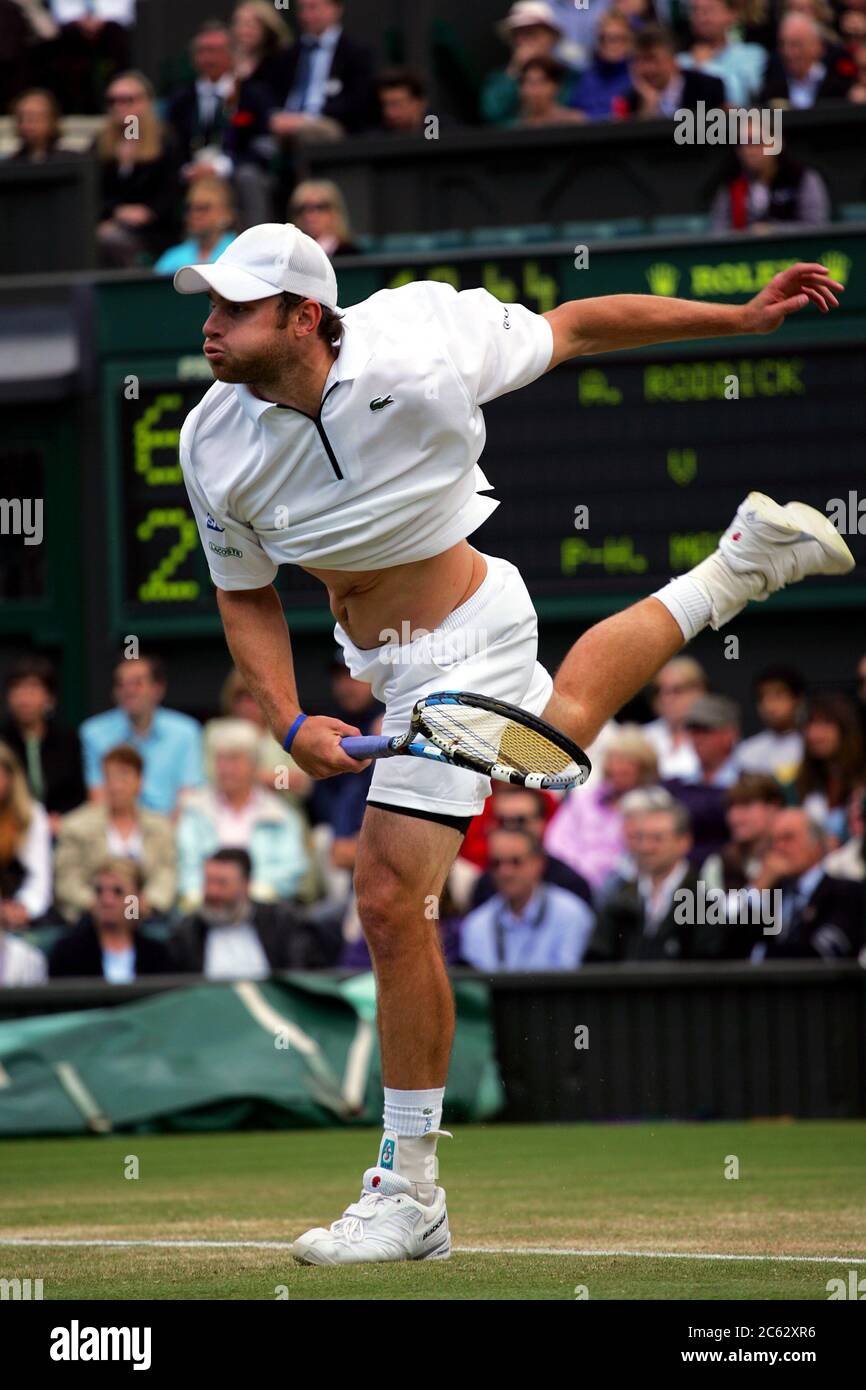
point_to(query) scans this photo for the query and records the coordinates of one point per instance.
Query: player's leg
(608, 665)
(401, 866)
(400, 870)
(765, 547)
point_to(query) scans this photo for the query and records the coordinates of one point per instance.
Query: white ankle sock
(689, 599)
(413, 1112)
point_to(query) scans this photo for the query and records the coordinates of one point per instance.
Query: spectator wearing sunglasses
(106, 943)
(318, 207)
(527, 924)
(138, 170)
(210, 225)
(525, 809)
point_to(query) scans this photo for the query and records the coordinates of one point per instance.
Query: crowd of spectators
(145, 842)
(185, 168)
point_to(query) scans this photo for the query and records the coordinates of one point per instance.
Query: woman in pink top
(587, 830)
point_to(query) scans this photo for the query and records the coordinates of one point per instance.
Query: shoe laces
(350, 1226)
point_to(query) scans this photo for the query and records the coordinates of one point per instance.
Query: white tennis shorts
(488, 645)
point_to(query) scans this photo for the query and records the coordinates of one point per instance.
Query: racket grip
(365, 745)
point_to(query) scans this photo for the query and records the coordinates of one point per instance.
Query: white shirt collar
(808, 882)
(222, 87)
(355, 352)
(329, 39)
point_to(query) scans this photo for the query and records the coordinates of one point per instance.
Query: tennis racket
(484, 735)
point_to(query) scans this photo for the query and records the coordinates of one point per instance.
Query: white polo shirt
(388, 473)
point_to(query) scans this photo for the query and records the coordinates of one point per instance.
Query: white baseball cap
(265, 260)
(529, 12)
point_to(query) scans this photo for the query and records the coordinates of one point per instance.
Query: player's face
(242, 341)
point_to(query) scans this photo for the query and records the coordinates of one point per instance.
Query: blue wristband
(290, 736)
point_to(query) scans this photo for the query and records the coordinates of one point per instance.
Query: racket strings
(496, 738)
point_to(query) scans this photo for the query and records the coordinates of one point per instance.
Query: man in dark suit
(222, 125)
(821, 915)
(803, 72)
(323, 84)
(660, 87)
(231, 937)
(651, 918)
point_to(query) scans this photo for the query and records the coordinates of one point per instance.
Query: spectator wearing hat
(49, 750)
(237, 812)
(531, 30)
(587, 832)
(660, 86)
(713, 723)
(107, 942)
(527, 924)
(230, 936)
(118, 826)
(169, 742)
(821, 915)
(778, 750)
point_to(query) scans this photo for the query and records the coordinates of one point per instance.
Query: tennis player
(348, 443)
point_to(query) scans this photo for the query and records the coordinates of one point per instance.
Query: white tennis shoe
(386, 1223)
(768, 546)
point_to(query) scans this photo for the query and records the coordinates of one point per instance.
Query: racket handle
(365, 745)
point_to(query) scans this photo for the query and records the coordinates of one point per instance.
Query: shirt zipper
(317, 421)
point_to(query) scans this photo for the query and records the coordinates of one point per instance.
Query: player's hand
(790, 290)
(316, 747)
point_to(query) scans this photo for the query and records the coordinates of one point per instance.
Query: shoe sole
(800, 519)
(305, 1257)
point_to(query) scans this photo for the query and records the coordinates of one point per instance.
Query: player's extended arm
(618, 321)
(258, 639)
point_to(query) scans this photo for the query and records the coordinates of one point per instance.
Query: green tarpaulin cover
(295, 1051)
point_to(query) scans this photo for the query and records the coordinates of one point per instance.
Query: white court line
(457, 1250)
